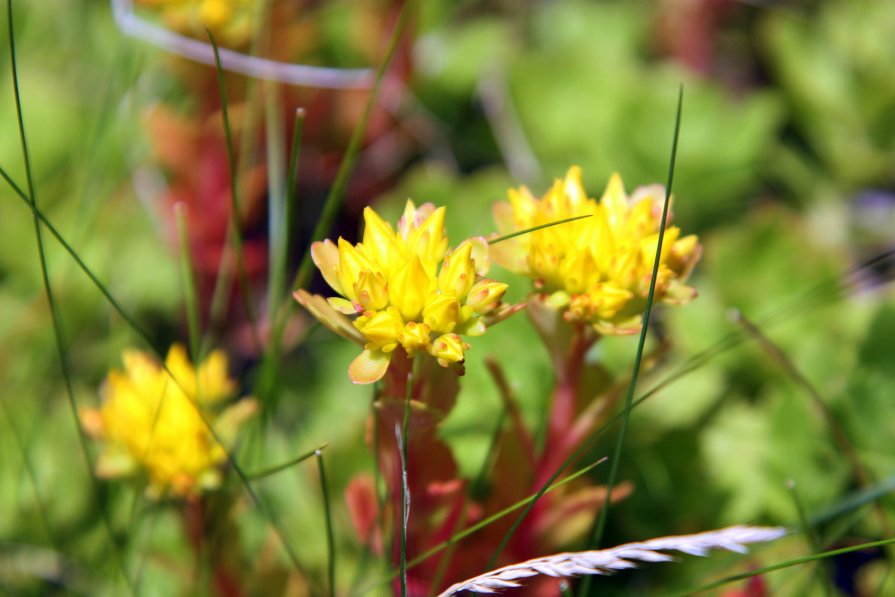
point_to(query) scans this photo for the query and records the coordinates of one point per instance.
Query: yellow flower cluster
(229, 20)
(149, 421)
(406, 290)
(597, 269)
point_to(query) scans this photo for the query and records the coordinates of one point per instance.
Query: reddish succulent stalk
(564, 405)
(194, 522)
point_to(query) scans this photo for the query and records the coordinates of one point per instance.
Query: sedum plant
(591, 278)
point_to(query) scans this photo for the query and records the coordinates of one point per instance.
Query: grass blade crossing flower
(148, 422)
(596, 269)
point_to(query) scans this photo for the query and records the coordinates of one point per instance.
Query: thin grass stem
(477, 490)
(332, 203)
(810, 536)
(144, 336)
(330, 538)
(855, 501)
(189, 283)
(500, 239)
(403, 440)
(235, 234)
(32, 477)
(511, 407)
(267, 380)
(596, 534)
(61, 349)
(859, 472)
(292, 211)
(482, 524)
(286, 465)
(277, 222)
(380, 501)
(780, 566)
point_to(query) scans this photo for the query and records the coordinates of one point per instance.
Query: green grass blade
(340, 184)
(61, 349)
(479, 483)
(32, 477)
(403, 440)
(854, 501)
(629, 402)
(277, 190)
(281, 467)
(144, 336)
(128, 318)
(267, 379)
(292, 212)
(477, 491)
(629, 396)
(482, 524)
(500, 239)
(331, 205)
(235, 234)
(189, 283)
(859, 472)
(368, 554)
(330, 538)
(782, 565)
(811, 536)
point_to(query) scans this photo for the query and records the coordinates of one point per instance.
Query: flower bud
(457, 272)
(381, 330)
(448, 349)
(414, 337)
(485, 295)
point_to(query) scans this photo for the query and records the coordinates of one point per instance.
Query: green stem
(330, 537)
(600, 526)
(405, 486)
(235, 232)
(189, 284)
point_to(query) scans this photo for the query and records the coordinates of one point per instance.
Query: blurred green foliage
(835, 72)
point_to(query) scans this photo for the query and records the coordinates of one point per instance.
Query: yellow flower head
(597, 269)
(149, 422)
(229, 20)
(405, 289)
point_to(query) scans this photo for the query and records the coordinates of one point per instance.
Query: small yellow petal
(351, 263)
(457, 273)
(368, 367)
(341, 305)
(408, 288)
(325, 256)
(371, 291)
(614, 201)
(327, 315)
(379, 238)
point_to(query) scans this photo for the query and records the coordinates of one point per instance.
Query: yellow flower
(149, 421)
(406, 290)
(231, 21)
(596, 269)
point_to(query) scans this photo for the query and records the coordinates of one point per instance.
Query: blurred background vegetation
(786, 170)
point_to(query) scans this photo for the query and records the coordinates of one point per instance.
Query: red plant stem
(394, 388)
(194, 522)
(564, 405)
